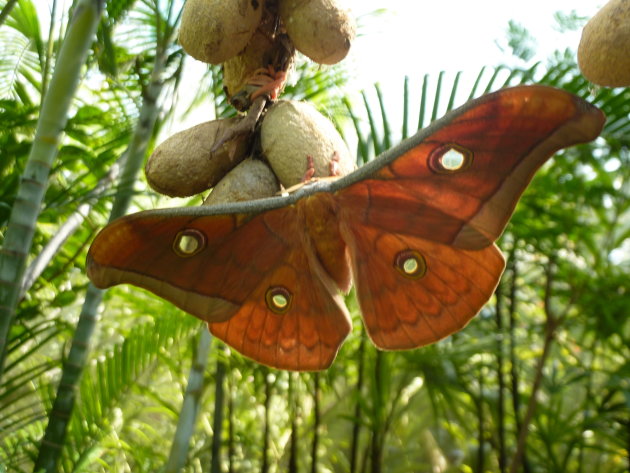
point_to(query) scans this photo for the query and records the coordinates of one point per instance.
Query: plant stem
(72, 223)
(293, 452)
(63, 405)
(376, 450)
(230, 409)
(500, 378)
(316, 422)
(191, 404)
(49, 48)
(533, 402)
(52, 120)
(265, 460)
(480, 431)
(217, 425)
(356, 425)
(551, 324)
(514, 375)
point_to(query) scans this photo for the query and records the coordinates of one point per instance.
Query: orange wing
(457, 182)
(413, 291)
(421, 222)
(281, 307)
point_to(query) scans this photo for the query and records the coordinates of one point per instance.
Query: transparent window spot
(189, 242)
(411, 264)
(452, 160)
(278, 299)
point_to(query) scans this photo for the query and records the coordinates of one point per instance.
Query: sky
(417, 37)
(413, 38)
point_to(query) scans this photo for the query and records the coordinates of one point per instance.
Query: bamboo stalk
(52, 121)
(50, 449)
(65, 231)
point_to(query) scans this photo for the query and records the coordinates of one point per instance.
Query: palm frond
(105, 384)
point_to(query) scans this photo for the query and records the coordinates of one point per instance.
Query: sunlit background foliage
(548, 356)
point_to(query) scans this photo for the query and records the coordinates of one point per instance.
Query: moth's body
(319, 217)
(413, 230)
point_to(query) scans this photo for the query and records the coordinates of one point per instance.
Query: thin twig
(245, 126)
(552, 321)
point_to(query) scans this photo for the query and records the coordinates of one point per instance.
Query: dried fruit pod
(294, 133)
(251, 179)
(604, 51)
(213, 31)
(184, 165)
(319, 29)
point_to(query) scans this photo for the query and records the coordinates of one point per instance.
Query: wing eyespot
(189, 242)
(450, 158)
(278, 299)
(411, 264)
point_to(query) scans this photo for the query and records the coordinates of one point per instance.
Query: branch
(245, 126)
(64, 232)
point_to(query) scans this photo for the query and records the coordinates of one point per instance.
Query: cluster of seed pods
(274, 144)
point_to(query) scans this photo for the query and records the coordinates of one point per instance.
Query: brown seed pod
(320, 29)
(604, 50)
(184, 165)
(251, 179)
(213, 31)
(295, 135)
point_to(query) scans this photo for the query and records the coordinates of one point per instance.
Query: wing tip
(589, 120)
